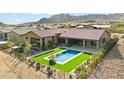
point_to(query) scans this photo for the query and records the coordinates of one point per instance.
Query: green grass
(67, 67)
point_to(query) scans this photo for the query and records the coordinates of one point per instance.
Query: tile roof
(47, 33)
(20, 31)
(88, 34)
(43, 33)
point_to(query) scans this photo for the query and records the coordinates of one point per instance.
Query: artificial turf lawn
(67, 67)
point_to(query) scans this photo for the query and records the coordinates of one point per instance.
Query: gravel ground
(112, 67)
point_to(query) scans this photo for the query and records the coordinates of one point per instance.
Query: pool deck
(80, 48)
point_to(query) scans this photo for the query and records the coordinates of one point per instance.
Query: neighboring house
(13, 35)
(3, 35)
(101, 26)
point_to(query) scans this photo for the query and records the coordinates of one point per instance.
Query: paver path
(112, 67)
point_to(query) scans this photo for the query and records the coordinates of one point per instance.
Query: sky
(16, 18)
(36, 7)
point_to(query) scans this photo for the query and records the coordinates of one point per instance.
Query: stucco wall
(107, 39)
(30, 35)
(88, 44)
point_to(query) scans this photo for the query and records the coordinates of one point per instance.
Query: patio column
(83, 43)
(41, 43)
(3, 36)
(66, 41)
(97, 44)
(7, 38)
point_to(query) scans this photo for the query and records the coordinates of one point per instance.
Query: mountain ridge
(61, 18)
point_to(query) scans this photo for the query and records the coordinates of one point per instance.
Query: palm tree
(26, 47)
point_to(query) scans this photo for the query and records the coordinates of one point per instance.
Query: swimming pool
(64, 56)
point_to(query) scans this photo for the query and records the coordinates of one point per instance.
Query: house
(3, 35)
(87, 38)
(14, 34)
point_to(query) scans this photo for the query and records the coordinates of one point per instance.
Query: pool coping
(42, 53)
(47, 58)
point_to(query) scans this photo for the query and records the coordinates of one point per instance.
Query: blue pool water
(63, 56)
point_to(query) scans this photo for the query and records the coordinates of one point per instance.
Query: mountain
(63, 18)
(2, 23)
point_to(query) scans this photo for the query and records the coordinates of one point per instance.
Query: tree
(26, 47)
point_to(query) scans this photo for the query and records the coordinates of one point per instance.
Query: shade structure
(3, 42)
(16, 47)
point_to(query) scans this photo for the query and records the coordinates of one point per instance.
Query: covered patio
(80, 43)
(85, 39)
(80, 48)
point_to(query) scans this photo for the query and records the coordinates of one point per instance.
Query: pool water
(64, 56)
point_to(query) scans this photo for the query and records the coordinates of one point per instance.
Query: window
(35, 42)
(53, 39)
(5, 35)
(26, 37)
(93, 43)
(1, 35)
(43, 42)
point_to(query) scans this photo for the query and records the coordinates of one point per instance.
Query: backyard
(67, 67)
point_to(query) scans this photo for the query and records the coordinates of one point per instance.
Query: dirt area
(11, 68)
(5, 71)
(112, 66)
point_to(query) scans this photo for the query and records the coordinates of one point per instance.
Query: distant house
(101, 26)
